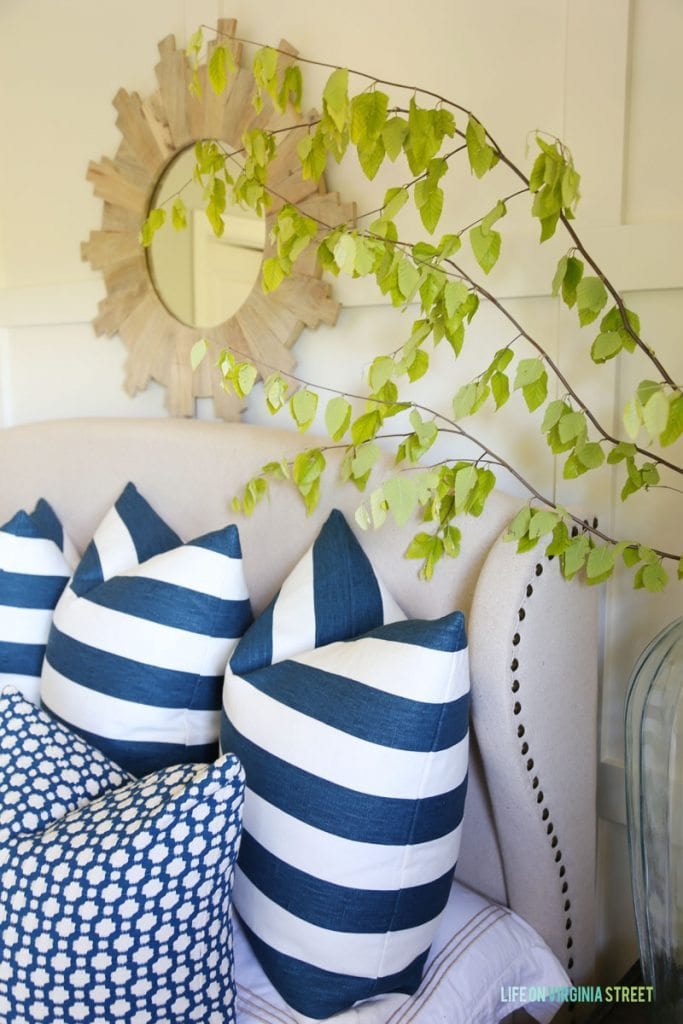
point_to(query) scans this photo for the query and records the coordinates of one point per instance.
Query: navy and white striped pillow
(140, 639)
(36, 561)
(333, 593)
(356, 763)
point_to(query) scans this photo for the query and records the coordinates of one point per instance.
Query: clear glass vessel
(654, 802)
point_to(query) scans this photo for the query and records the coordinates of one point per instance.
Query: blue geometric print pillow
(36, 561)
(120, 911)
(45, 770)
(356, 762)
(333, 593)
(141, 637)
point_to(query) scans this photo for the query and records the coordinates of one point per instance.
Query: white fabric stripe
(150, 643)
(28, 685)
(346, 861)
(402, 670)
(24, 625)
(357, 954)
(114, 545)
(294, 612)
(198, 569)
(339, 757)
(118, 719)
(31, 556)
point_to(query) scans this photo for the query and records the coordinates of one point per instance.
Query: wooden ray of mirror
(154, 132)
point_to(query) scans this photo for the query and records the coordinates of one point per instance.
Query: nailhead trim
(553, 840)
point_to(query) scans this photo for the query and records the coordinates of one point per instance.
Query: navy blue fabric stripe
(364, 711)
(22, 590)
(318, 993)
(255, 649)
(225, 541)
(131, 680)
(445, 634)
(21, 525)
(88, 573)
(148, 531)
(47, 523)
(23, 659)
(170, 605)
(389, 821)
(337, 907)
(346, 593)
(141, 758)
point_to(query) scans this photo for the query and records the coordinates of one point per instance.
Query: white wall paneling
(606, 77)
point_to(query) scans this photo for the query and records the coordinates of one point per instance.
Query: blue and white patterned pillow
(36, 561)
(356, 760)
(120, 911)
(141, 637)
(333, 593)
(45, 770)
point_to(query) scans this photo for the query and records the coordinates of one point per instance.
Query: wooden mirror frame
(154, 131)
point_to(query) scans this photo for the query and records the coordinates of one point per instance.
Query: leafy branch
(449, 299)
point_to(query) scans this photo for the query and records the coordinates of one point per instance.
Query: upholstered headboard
(530, 819)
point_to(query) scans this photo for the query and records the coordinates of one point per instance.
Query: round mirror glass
(201, 279)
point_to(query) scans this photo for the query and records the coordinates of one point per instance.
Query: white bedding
(481, 952)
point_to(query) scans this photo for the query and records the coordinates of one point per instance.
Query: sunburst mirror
(144, 300)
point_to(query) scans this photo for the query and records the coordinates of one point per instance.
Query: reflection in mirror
(201, 279)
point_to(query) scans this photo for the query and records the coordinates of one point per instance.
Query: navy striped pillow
(356, 763)
(333, 593)
(140, 639)
(36, 561)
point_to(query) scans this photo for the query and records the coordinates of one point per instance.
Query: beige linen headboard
(530, 820)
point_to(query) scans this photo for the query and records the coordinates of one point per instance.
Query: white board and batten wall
(605, 76)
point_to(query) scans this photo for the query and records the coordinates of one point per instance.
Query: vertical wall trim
(6, 417)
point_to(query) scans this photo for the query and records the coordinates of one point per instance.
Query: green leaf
(571, 426)
(590, 455)
(368, 115)
(365, 427)
(500, 386)
(337, 417)
(519, 525)
(656, 414)
(394, 201)
(528, 372)
(431, 209)
(198, 352)
(630, 556)
(591, 298)
(179, 214)
(575, 556)
(381, 370)
(600, 564)
(554, 412)
(217, 70)
(607, 345)
(633, 417)
(464, 400)
(655, 577)
(542, 521)
(272, 274)
(560, 542)
(394, 133)
(306, 472)
(679, 571)
(345, 253)
(465, 481)
(418, 365)
(370, 156)
(622, 450)
(572, 279)
(536, 393)
(303, 405)
(275, 392)
(486, 247)
(400, 493)
(408, 278)
(335, 97)
(674, 423)
(558, 279)
(365, 458)
(244, 378)
(156, 218)
(482, 156)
